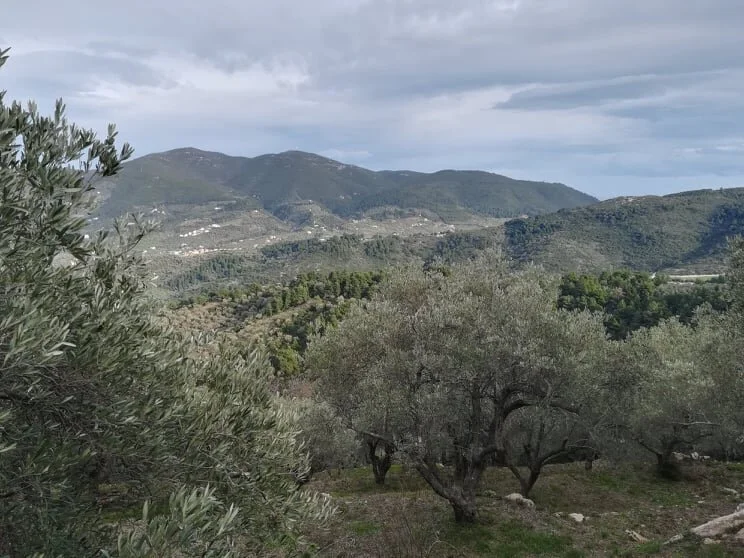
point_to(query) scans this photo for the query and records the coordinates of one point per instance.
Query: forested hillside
(189, 176)
(688, 230)
(284, 260)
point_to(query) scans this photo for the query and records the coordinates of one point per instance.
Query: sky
(611, 97)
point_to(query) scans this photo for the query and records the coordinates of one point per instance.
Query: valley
(210, 206)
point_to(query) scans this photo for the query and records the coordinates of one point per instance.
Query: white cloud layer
(612, 97)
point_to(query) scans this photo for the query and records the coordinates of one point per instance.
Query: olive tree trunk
(380, 463)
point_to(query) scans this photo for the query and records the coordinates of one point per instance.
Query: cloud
(346, 155)
(580, 91)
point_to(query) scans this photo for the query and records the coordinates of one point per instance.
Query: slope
(687, 231)
(189, 176)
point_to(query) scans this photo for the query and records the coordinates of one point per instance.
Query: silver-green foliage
(330, 443)
(95, 394)
(666, 401)
(678, 388)
(448, 368)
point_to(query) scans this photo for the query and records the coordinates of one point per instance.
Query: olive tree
(677, 387)
(454, 364)
(97, 398)
(341, 361)
(661, 391)
(723, 356)
(330, 444)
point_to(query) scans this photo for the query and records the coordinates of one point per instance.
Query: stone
(678, 456)
(709, 541)
(740, 536)
(577, 517)
(637, 537)
(730, 491)
(740, 507)
(517, 498)
(720, 525)
(674, 540)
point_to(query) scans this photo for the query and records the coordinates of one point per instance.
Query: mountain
(275, 182)
(686, 231)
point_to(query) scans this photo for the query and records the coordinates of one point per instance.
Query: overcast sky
(611, 97)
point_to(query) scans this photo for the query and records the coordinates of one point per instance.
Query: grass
(509, 539)
(362, 527)
(404, 518)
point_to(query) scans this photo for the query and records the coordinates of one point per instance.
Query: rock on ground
(637, 537)
(674, 540)
(720, 525)
(517, 498)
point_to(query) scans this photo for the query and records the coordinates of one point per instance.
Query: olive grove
(464, 371)
(477, 367)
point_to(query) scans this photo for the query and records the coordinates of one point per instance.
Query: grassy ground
(406, 519)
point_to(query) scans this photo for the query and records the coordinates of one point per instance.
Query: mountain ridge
(682, 230)
(191, 176)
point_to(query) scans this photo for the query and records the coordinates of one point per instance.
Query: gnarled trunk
(459, 490)
(380, 463)
(465, 509)
(527, 483)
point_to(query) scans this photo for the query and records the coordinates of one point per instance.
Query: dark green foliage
(725, 222)
(288, 343)
(328, 301)
(191, 176)
(385, 248)
(461, 246)
(268, 300)
(337, 246)
(316, 301)
(522, 233)
(683, 301)
(633, 300)
(219, 268)
(647, 233)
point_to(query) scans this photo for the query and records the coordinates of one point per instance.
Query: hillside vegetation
(274, 182)
(688, 231)
(683, 234)
(277, 263)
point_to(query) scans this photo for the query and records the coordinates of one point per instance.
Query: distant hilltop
(190, 176)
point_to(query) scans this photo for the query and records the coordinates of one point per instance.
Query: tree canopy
(452, 369)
